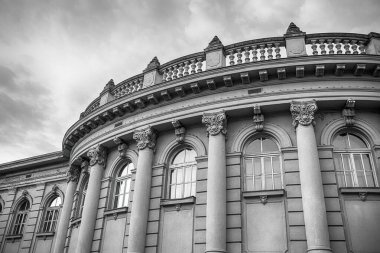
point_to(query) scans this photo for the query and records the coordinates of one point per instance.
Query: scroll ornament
(303, 112)
(215, 123)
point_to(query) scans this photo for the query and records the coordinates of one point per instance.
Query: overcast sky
(56, 56)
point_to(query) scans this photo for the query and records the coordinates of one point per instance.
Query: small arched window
(82, 196)
(353, 161)
(1, 208)
(20, 217)
(122, 186)
(263, 166)
(50, 219)
(182, 174)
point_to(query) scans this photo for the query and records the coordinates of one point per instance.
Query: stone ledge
(254, 194)
(172, 202)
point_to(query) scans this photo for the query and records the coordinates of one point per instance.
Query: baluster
(270, 51)
(180, 70)
(346, 47)
(186, 69)
(199, 65)
(231, 56)
(131, 88)
(314, 47)
(262, 52)
(140, 83)
(354, 47)
(361, 47)
(239, 55)
(136, 84)
(170, 73)
(338, 46)
(322, 46)
(164, 75)
(246, 54)
(277, 50)
(330, 46)
(175, 72)
(193, 66)
(254, 53)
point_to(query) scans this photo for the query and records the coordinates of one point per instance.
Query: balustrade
(182, 68)
(336, 43)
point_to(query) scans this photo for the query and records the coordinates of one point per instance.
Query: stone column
(216, 182)
(97, 157)
(64, 218)
(146, 141)
(313, 201)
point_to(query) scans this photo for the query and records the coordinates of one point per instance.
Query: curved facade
(267, 145)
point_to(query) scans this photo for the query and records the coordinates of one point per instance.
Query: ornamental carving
(179, 131)
(97, 155)
(258, 118)
(73, 173)
(121, 147)
(348, 112)
(215, 123)
(303, 112)
(145, 138)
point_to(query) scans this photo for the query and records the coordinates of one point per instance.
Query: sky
(56, 56)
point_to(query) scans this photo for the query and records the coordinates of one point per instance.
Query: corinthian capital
(73, 173)
(145, 138)
(303, 112)
(97, 155)
(215, 123)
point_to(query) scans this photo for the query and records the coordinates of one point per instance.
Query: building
(267, 145)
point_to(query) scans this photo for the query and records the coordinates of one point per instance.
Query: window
(122, 186)
(353, 161)
(182, 174)
(82, 196)
(263, 166)
(1, 208)
(50, 220)
(20, 218)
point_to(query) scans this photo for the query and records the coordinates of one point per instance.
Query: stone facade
(268, 145)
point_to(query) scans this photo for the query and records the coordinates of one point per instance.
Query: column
(216, 218)
(97, 157)
(146, 141)
(313, 201)
(64, 218)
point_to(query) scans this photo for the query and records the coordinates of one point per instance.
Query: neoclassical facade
(266, 145)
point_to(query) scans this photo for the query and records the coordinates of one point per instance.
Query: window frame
(263, 175)
(20, 219)
(81, 196)
(55, 210)
(340, 171)
(125, 179)
(192, 165)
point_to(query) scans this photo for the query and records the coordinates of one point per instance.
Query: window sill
(45, 234)
(76, 221)
(13, 237)
(255, 194)
(172, 202)
(354, 190)
(116, 211)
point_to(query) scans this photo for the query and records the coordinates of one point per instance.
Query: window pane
(190, 155)
(116, 201)
(178, 191)
(359, 171)
(172, 192)
(248, 167)
(267, 166)
(187, 192)
(120, 201)
(249, 183)
(188, 174)
(356, 142)
(179, 158)
(269, 145)
(179, 175)
(268, 182)
(254, 147)
(257, 166)
(126, 199)
(56, 202)
(340, 141)
(193, 189)
(194, 172)
(173, 176)
(257, 184)
(277, 181)
(276, 164)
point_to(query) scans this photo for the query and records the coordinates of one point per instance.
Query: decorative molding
(145, 138)
(303, 112)
(179, 130)
(215, 123)
(348, 112)
(84, 167)
(258, 118)
(363, 196)
(97, 155)
(293, 29)
(73, 173)
(264, 199)
(122, 147)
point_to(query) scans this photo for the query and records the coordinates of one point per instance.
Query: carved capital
(145, 138)
(121, 147)
(303, 112)
(215, 123)
(73, 173)
(97, 155)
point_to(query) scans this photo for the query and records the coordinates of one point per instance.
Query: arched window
(122, 186)
(50, 219)
(263, 166)
(353, 161)
(20, 218)
(1, 208)
(182, 174)
(82, 196)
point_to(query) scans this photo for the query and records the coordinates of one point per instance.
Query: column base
(319, 249)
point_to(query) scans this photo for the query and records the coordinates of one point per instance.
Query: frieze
(303, 112)
(145, 138)
(215, 123)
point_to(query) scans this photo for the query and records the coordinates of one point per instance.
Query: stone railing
(293, 43)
